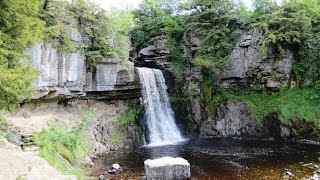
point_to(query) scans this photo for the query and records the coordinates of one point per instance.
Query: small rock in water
(288, 175)
(115, 169)
(315, 177)
(101, 177)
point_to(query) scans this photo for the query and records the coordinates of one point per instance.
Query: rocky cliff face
(60, 74)
(65, 75)
(233, 119)
(153, 55)
(246, 67)
(67, 88)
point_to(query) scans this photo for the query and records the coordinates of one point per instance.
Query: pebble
(101, 177)
(315, 177)
(116, 166)
(115, 169)
(288, 175)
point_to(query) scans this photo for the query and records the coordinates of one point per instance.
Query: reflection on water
(220, 159)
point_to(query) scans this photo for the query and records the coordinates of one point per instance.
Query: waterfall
(158, 113)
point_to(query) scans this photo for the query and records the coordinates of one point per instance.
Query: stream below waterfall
(221, 159)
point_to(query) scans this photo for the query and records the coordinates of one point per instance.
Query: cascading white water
(158, 113)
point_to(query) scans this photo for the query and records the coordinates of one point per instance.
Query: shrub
(60, 148)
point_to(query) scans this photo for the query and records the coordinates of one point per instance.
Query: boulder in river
(167, 168)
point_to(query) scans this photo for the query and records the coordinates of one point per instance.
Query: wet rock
(116, 166)
(101, 177)
(115, 169)
(167, 168)
(315, 177)
(113, 148)
(233, 118)
(288, 175)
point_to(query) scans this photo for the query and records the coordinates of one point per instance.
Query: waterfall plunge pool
(221, 159)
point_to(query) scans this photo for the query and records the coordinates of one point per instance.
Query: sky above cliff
(107, 4)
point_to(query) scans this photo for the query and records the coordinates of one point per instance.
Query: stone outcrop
(246, 67)
(167, 168)
(59, 73)
(191, 44)
(194, 80)
(111, 79)
(153, 55)
(233, 119)
(65, 75)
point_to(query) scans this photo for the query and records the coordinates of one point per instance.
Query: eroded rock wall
(59, 73)
(245, 66)
(232, 119)
(66, 75)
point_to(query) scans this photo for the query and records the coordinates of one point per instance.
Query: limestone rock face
(233, 119)
(59, 73)
(65, 74)
(108, 75)
(246, 67)
(113, 80)
(167, 168)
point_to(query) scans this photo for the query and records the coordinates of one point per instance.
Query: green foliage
(106, 34)
(307, 66)
(116, 137)
(59, 21)
(3, 124)
(15, 85)
(19, 27)
(129, 118)
(2, 120)
(191, 124)
(60, 147)
(283, 28)
(85, 121)
(288, 103)
(218, 26)
(152, 17)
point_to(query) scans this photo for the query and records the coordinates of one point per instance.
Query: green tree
(19, 28)
(218, 25)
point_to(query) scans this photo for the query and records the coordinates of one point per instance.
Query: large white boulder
(167, 168)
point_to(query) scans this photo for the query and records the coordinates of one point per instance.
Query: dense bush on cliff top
(24, 22)
(105, 34)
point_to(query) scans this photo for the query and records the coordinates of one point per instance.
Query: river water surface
(221, 159)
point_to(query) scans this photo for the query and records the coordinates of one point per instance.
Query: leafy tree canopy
(19, 27)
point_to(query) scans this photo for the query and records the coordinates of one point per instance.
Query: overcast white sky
(106, 4)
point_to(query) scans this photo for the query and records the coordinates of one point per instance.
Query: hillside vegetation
(293, 25)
